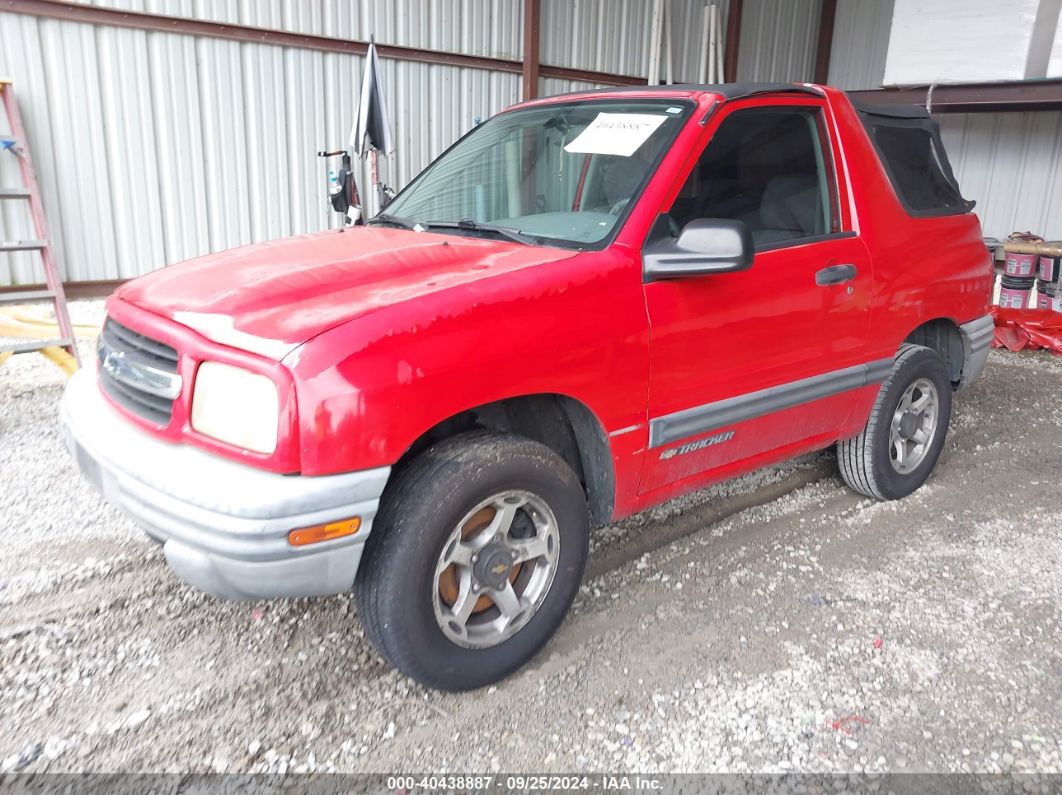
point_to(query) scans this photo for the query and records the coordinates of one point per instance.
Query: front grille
(139, 373)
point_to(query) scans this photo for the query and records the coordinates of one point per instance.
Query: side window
(769, 168)
(916, 165)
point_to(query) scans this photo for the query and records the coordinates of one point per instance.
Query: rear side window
(914, 159)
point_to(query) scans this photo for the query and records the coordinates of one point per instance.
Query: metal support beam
(97, 289)
(587, 76)
(733, 37)
(529, 73)
(827, 14)
(974, 97)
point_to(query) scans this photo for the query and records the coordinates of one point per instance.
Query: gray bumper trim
(976, 341)
(714, 416)
(224, 525)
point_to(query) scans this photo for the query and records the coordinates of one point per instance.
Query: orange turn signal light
(324, 532)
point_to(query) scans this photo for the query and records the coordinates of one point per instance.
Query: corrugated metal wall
(613, 35)
(154, 147)
(474, 27)
(860, 43)
(1009, 163)
(778, 40)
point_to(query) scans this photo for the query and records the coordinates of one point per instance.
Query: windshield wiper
(471, 225)
(466, 224)
(393, 220)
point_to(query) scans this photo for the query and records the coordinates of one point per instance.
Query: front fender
(577, 327)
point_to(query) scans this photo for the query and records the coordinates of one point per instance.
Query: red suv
(588, 305)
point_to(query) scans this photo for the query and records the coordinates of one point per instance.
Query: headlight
(236, 406)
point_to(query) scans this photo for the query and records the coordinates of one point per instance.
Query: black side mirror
(705, 245)
(342, 190)
(339, 196)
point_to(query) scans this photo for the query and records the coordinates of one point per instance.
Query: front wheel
(898, 448)
(477, 554)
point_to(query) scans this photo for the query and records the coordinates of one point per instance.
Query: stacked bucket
(1048, 294)
(1019, 280)
(1027, 276)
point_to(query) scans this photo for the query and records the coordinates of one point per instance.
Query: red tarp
(1027, 329)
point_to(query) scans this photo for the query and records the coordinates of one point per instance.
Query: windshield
(563, 174)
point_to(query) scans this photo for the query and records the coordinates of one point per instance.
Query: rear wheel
(475, 558)
(902, 440)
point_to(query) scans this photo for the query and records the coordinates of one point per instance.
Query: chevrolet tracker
(588, 305)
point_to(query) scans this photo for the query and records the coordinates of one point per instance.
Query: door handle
(835, 274)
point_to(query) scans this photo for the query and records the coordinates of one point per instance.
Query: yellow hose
(17, 322)
(21, 315)
(66, 362)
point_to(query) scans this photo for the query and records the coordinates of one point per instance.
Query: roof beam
(733, 38)
(824, 48)
(1016, 95)
(532, 23)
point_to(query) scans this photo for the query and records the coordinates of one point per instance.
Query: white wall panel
(860, 43)
(1009, 163)
(603, 35)
(1054, 63)
(960, 41)
(71, 69)
(222, 107)
(550, 86)
(688, 17)
(179, 151)
(613, 35)
(778, 40)
(130, 134)
(476, 27)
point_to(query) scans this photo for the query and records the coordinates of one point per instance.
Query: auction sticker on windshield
(615, 134)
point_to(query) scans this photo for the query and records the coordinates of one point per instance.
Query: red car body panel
(377, 335)
(290, 290)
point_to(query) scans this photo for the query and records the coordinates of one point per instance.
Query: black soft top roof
(741, 90)
(916, 161)
(901, 111)
(726, 90)
(731, 91)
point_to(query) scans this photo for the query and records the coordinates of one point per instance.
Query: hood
(269, 298)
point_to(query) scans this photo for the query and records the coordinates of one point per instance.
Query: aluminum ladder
(17, 145)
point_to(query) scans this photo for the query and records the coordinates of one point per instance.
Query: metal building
(166, 129)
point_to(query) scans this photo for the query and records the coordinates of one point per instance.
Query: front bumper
(224, 526)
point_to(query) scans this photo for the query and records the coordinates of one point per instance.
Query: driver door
(751, 365)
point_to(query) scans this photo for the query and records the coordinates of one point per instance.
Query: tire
(426, 513)
(868, 463)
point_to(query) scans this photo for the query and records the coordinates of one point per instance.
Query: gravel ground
(775, 623)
